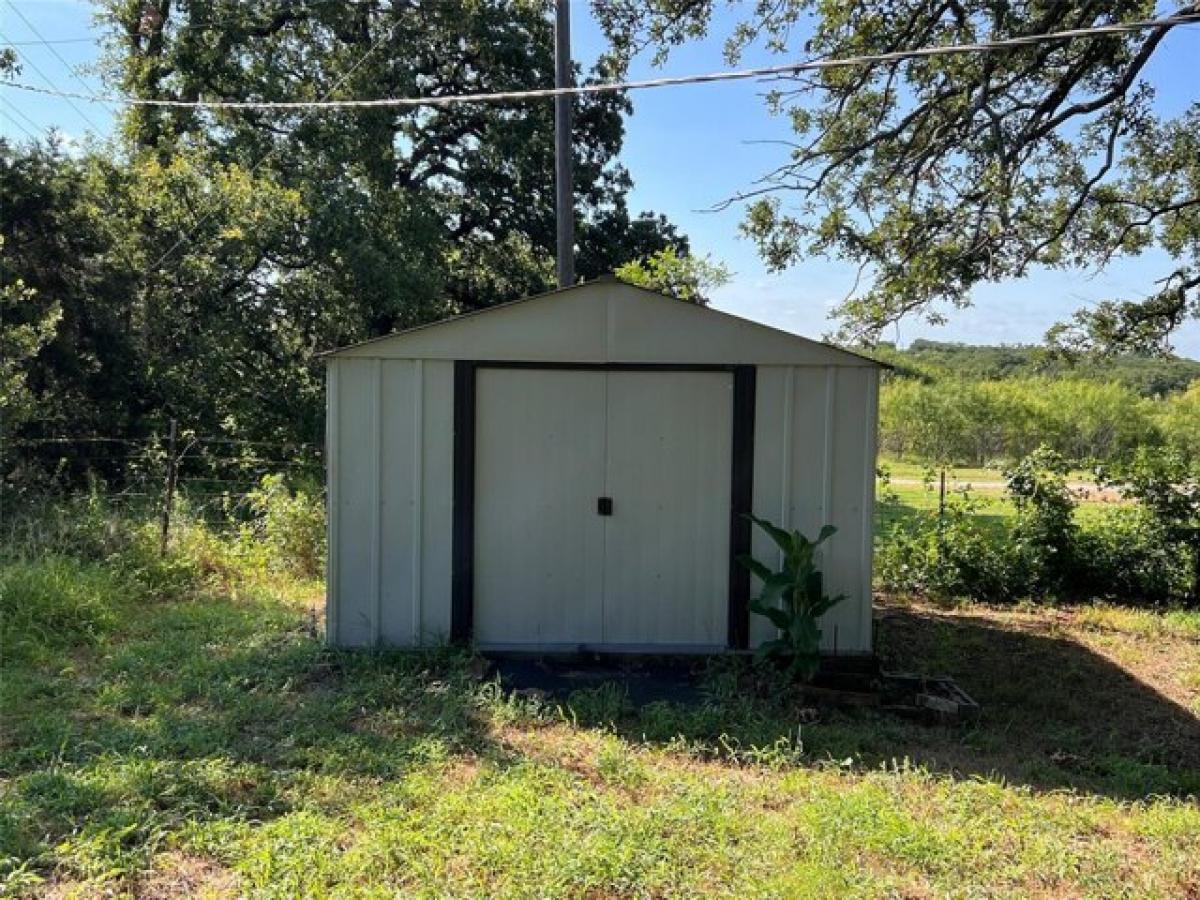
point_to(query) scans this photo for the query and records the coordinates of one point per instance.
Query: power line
(12, 108)
(613, 86)
(54, 89)
(79, 40)
(57, 55)
(29, 134)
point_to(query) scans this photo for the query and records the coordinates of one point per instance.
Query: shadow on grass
(220, 709)
(1055, 714)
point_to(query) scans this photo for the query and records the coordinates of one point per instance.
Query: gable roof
(603, 321)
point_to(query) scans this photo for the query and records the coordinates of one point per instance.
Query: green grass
(986, 475)
(915, 491)
(202, 741)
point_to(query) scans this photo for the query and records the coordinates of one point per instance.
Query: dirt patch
(177, 874)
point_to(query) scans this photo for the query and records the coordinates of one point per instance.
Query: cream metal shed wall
(391, 447)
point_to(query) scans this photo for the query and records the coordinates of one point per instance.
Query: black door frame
(462, 608)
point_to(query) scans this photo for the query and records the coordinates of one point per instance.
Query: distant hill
(1150, 376)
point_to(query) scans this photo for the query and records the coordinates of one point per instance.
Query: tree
(471, 184)
(689, 278)
(196, 264)
(22, 335)
(214, 341)
(944, 172)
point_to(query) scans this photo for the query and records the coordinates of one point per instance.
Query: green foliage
(938, 174)
(290, 526)
(411, 209)
(195, 264)
(602, 705)
(955, 555)
(1128, 557)
(55, 603)
(1179, 421)
(1047, 551)
(208, 743)
(25, 327)
(1044, 535)
(793, 598)
(73, 566)
(682, 276)
(951, 420)
(1145, 375)
(1167, 486)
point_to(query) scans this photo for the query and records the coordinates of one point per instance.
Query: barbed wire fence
(217, 477)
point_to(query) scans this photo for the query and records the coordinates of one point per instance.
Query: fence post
(942, 496)
(1196, 565)
(169, 495)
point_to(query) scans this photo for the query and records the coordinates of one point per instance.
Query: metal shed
(572, 472)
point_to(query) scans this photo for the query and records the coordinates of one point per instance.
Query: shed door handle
(604, 506)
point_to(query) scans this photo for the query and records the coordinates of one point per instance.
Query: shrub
(1127, 558)
(952, 556)
(1143, 553)
(291, 526)
(1045, 536)
(1166, 484)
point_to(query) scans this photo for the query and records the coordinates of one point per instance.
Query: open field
(916, 488)
(202, 742)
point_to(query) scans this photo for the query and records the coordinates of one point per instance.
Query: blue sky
(687, 149)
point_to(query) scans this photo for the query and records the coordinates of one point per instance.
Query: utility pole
(564, 201)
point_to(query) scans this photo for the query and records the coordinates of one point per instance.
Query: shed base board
(606, 649)
(844, 661)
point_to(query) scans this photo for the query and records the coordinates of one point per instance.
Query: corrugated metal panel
(399, 496)
(539, 544)
(667, 542)
(390, 501)
(562, 326)
(814, 465)
(772, 465)
(652, 328)
(357, 498)
(850, 465)
(332, 478)
(437, 500)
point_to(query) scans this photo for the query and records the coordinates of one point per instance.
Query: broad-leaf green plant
(793, 599)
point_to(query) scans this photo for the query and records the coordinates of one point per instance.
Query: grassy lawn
(201, 742)
(916, 491)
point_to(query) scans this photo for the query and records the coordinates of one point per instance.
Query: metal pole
(564, 202)
(169, 497)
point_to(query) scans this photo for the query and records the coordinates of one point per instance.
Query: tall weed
(57, 602)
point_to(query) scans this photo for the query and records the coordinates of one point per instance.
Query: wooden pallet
(936, 697)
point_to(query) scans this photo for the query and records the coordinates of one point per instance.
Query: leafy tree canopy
(940, 173)
(194, 265)
(473, 184)
(1147, 375)
(689, 278)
